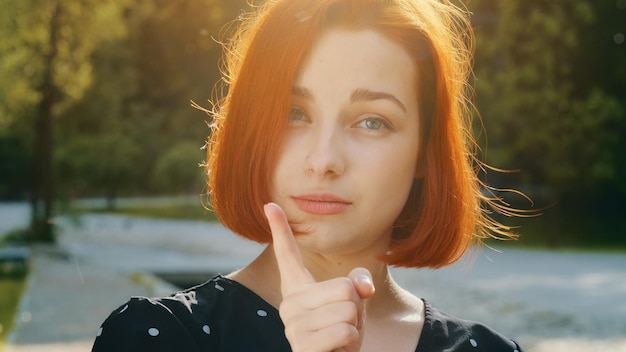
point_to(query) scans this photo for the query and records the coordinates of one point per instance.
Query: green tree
(546, 108)
(46, 48)
(102, 163)
(178, 171)
(142, 84)
(142, 87)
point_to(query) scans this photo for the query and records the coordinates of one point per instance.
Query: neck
(262, 276)
(325, 267)
(391, 311)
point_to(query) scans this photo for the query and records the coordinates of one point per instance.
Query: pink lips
(321, 204)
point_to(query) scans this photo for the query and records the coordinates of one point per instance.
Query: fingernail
(365, 280)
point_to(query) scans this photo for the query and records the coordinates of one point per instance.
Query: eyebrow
(301, 92)
(359, 95)
(368, 95)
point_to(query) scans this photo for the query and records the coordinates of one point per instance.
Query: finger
(362, 281)
(364, 286)
(319, 295)
(293, 274)
(325, 292)
(322, 318)
(339, 337)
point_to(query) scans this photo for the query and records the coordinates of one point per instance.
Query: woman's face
(349, 155)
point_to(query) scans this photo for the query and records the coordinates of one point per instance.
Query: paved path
(100, 261)
(547, 301)
(66, 298)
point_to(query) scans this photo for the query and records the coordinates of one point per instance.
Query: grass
(178, 212)
(12, 287)
(569, 232)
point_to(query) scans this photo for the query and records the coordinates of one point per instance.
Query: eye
(374, 123)
(297, 114)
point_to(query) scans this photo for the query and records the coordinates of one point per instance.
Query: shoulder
(159, 324)
(446, 332)
(209, 315)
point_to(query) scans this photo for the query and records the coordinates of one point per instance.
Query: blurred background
(96, 118)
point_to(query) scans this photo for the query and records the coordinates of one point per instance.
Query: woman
(344, 143)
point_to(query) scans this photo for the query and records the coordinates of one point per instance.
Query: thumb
(362, 281)
(364, 286)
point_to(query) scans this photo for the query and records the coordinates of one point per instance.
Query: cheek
(284, 170)
(399, 160)
(398, 183)
(397, 172)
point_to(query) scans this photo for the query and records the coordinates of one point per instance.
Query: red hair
(445, 211)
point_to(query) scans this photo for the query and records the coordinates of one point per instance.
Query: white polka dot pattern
(128, 316)
(473, 343)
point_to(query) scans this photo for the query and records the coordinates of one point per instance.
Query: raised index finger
(293, 274)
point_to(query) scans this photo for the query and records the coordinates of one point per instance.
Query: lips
(321, 204)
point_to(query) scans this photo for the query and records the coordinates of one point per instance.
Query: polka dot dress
(222, 315)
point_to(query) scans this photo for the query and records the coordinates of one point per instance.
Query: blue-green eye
(297, 114)
(373, 123)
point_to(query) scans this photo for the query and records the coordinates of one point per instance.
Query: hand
(318, 316)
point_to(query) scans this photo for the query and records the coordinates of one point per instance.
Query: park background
(95, 102)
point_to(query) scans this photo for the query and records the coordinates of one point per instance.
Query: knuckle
(288, 310)
(284, 306)
(347, 312)
(291, 334)
(284, 310)
(345, 334)
(344, 289)
(295, 337)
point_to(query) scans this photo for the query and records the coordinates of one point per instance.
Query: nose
(325, 154)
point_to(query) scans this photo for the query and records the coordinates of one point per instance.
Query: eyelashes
(374, 123)
(367, 122)
(298, 114)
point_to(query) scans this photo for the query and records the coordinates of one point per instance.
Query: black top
(223, 315)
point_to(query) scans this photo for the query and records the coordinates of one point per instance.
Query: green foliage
(124, 74)
(24, 35)
(180, 212)
(550, 83)
(177, 170)
(14, 178)
(46, 51)
(544, 113)
(141, 92)
(12, 287)
(592, 133)
(102, 163)
(550, 113)
(13, 237)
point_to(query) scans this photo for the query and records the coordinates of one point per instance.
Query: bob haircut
(445, 211)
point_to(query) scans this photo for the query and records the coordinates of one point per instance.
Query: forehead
(342, 58)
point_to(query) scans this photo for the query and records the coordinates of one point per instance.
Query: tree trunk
(42, 195)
